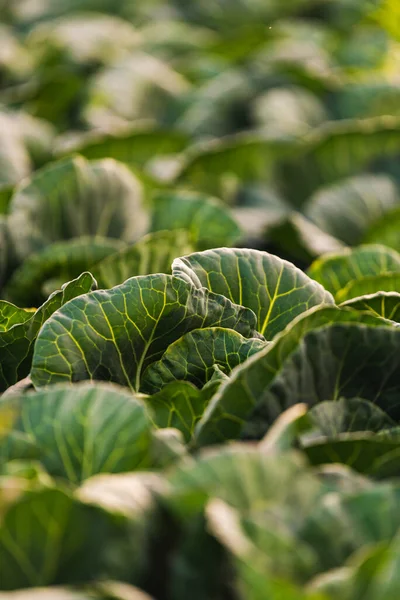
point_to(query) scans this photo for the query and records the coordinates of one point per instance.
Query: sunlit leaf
(381, 304)
(274, 289)
(115, 335)
(194, 356)
(17, 342)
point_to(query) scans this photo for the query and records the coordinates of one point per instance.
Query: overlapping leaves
(115, 335)
(20, 329)
(64, 425)
(74, 198)
(343, 272)
(249, 386)
(275, 290)
(68, 535)
(194, 357)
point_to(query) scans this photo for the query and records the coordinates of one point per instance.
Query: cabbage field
(200, 300)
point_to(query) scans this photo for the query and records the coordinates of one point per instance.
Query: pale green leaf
(62, 260)
(207, 220)
(65, 423)
(74, 198)
(179, 405)
(153, 253)
(381, 304)
(352, 266)
(388, 282)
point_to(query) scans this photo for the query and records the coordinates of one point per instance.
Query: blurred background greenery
(279, 122)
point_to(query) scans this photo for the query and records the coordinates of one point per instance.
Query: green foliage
(347, 209)
(199, 300)
(205, 218)
(115, 335)
(20, 329)
(195, 355)
(64, 260)
(64, 425)
(381, 304)
(180, 405)
(273, 289)
(340, 273)
(235, 401)
(153, 253)
(54, 515)
(74, 198)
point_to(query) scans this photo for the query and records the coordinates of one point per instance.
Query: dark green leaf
(385, 230)
(6, 192)
(349, 415)
(7, 251)
(213, 105)
(249, 384)
(366, 453)
(194, 356)
(274, 289)
(348, 208)
(300, 239)
(340, 360)
(336, 150)
(17, 342)
(115, 335)
(367, 99)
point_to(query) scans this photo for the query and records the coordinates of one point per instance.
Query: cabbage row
(199, 300)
